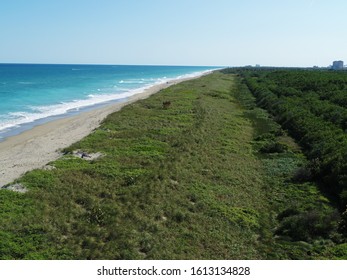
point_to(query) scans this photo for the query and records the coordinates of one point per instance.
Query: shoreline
(36, 147)
(57, 110)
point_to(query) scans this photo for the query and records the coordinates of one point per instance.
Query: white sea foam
(26, 83)
(16, 119)
(134, 81)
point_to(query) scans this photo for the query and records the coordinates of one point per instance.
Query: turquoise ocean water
(31, 94)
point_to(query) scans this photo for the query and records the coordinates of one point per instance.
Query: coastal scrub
(194, 179)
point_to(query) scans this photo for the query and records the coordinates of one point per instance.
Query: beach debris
(87, 156)
(17, 187)
(166, 104)
(173, 182)
(49, 167)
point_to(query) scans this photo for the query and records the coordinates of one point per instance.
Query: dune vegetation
(196, 171)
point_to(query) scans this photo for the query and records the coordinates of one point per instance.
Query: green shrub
(302, 174)
(309, 225)
(272, 147)
(340, 251)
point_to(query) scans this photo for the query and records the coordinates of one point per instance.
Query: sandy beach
(35, 148)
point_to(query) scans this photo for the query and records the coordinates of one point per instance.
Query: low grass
(183, 182)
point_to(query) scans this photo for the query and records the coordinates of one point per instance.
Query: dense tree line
(312, 106)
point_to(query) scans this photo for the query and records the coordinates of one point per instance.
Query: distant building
(337, 65)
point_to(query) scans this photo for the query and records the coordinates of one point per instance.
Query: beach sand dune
(35, 148)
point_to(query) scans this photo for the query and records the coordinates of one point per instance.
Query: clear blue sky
(174, 32)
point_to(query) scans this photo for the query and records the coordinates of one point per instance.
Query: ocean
(31, 94)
